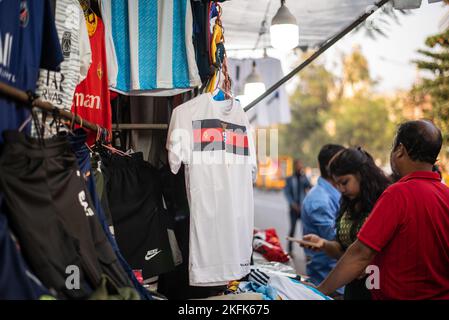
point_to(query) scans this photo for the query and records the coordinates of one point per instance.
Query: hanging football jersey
(28, 41)
(153, 43)
(58, 87)
(91, 99)
(213, 139)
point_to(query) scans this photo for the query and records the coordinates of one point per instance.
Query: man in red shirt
(407, 234)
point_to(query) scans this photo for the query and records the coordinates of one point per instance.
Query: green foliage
(361, 121)
(356, 68)
(358, 119)
(435, 61)
(382, 21)
(309, 105)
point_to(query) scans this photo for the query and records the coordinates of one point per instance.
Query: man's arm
(349, 267)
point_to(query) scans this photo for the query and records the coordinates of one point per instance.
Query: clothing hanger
(219, 61)
(24, 124)
(103, 142)
(96, 8)
(220, 93)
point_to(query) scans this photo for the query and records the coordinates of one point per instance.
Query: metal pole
(21, 96)
(326, 45)
(143, 126)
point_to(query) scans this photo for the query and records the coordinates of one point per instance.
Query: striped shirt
(58, 87)
(154, 48)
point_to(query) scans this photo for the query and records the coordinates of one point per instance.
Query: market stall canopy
(318, 19)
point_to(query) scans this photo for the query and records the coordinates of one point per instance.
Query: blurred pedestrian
(295, 191)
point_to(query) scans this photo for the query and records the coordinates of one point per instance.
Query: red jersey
(409, 227)
(91, 100)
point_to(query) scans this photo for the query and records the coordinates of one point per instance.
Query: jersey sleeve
(51, 55)
(384, 221)
(179, 141)
(110, 47)
(85, 50)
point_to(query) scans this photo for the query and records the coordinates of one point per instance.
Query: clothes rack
(140, 126)
(23, 97)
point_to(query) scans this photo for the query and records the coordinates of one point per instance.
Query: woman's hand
(312, 242)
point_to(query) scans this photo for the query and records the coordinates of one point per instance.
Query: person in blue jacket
(319, 212)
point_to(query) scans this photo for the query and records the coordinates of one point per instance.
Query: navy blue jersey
(16, 280)
(28, 41)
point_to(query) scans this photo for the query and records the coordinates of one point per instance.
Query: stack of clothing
(266, 242)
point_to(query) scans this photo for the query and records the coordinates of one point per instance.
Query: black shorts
(47, 241)
(53, 215)
(135, 200)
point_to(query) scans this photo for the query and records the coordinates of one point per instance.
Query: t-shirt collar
(421, 175)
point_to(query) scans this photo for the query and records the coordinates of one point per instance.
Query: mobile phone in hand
(303, 243)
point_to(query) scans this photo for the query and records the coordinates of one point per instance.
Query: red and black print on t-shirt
(215, 135)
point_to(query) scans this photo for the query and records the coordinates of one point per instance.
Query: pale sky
(389, 58)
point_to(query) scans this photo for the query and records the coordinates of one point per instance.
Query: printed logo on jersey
(52, 87)
(214, 135)
(24, 13)
(5, 50)
(91, 22)
(152, 253)
(82, 199)
(5, 58)
(86, 100)
(66, 44)
(99, 71)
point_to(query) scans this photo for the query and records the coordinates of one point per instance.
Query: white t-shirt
(58, 87)
(213, 139)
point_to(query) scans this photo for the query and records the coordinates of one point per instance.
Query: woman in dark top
(361, 183)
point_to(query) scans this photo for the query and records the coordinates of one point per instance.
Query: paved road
(271, 211)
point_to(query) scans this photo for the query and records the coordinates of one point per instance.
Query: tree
(325, 110)
(362, 121)
(309, 107)
(378, 24)
(356, 78)
(435, 61)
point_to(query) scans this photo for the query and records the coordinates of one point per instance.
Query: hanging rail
(324, 46)
(21, 96)
(140, 126)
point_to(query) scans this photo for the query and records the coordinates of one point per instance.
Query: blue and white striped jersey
(154, 48)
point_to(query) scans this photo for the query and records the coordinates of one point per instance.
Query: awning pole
(326, 45)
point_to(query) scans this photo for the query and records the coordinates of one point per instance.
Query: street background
(271, 211)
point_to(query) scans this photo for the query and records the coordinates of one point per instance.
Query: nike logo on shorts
(152, 253)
